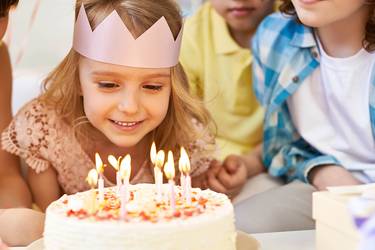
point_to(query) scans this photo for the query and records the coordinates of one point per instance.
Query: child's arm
(13, 189)
(23, 226)
(331, 175)
(44, 187)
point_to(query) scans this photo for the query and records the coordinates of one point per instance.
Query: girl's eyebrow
(145, 75)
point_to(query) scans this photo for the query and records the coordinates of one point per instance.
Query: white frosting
(212, 229)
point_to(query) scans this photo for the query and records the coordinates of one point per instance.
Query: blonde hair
(62, 86)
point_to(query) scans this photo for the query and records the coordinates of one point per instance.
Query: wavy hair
(287, 7)
(62, 86)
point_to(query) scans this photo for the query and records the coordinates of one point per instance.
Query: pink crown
(112, 42)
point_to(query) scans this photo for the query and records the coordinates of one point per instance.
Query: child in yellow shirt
(217, 59)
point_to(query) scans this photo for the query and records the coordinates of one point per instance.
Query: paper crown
(112, 42)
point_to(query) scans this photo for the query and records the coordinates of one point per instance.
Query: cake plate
(244, 242)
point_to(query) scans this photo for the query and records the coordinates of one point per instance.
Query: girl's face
(320, 13)
(243, 15)
(124, 103)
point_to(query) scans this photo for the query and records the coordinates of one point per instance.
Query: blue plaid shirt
(285, 54)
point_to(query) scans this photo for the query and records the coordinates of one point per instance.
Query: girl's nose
(129, 103)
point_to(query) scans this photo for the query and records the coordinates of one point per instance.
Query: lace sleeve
(202, 151)
(26, 135)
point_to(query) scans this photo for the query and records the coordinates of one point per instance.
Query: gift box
(335, 228)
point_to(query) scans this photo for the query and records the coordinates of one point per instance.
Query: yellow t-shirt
(219, 72)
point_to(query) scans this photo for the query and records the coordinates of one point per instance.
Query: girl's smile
(126, 126)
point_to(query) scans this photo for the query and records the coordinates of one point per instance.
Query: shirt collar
(224, 43)
(303, 36)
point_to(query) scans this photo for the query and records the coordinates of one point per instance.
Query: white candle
(100, 170)
(188, 189)
(170, 174)
(115, 163)
(172, 195)
(182, 183)
(158, 183)
(159, 174)
(184, 166)
(124, 197)
(125, 170)
(101, 189)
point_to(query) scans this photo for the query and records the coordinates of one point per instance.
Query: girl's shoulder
(32, 134)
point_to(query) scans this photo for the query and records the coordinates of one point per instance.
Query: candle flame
(153, 153)
(169, 167)
(114, 162)
(160, 159)
(99, 163)
(125, 167)
(184, 162)
(92, 178)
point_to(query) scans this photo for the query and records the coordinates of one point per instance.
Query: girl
(111, 104)
(315, 74)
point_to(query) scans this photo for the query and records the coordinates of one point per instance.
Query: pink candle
(118, 181)
(172, 195)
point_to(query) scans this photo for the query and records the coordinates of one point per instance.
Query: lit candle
(159, 165)
(182, 176)
(92, 179)
(184, 165)
(100, 170)
(125, 170)
(170, 173)
(115, 163)
(157, 160)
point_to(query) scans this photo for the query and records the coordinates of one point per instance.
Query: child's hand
(228, 177)
(331, 175)
(23, 226)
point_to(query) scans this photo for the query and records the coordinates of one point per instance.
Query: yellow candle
(100, 170)
(90, 203)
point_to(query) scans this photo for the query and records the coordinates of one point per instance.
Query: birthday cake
(206, 222)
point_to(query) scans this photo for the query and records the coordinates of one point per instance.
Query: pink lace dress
(43, 140)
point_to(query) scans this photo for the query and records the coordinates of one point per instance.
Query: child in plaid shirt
(314, 72)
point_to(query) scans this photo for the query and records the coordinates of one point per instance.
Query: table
(293, 240)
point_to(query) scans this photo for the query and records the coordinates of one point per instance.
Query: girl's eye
(153, 87)
(107, 85)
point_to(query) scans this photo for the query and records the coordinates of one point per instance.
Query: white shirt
(331, 111)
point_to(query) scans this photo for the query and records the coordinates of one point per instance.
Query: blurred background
(39, 36)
